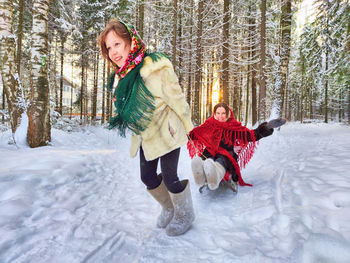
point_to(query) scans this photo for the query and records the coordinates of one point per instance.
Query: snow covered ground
(81, 200)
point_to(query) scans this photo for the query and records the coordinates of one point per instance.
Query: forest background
(278, 57)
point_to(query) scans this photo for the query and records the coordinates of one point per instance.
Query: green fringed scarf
(133, 101)
(134, 104)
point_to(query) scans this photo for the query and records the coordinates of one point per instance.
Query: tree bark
(55, 87)
(3, 105)
(225, 52)
(189, 56)
(39, 127)
(348, 104)
(181, 52)
(82, 90)
(198, 77)
(9, 75)
(94, 95)
(103, 91)
(63, 40)
(348, 50)
(286, 24)
(141, 18)
(19, 36)
(173, 56)
(252, 31)
(71, 92)
(262, 78)
(326, 88)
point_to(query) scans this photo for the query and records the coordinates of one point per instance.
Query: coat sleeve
(262, 131)
(174, 97)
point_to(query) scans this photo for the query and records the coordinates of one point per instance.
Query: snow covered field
(81, 200)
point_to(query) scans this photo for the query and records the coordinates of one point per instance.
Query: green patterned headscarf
(134, 103)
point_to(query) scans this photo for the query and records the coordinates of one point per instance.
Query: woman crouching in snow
(222, 142)
(149, 102)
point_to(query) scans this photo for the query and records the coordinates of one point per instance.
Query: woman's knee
(150, 179)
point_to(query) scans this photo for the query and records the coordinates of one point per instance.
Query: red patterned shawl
(211, 132)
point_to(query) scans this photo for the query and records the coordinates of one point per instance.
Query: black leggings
(168, 165)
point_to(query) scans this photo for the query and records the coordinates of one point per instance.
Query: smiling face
(118, 49)
(220, 114)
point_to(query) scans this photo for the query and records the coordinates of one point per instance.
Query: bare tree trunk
(189, 57)
(39, 127)
(86, 97)
(286, 24)
(94, 95)
(109, 96)
(302, 88)
(225, 52)
(247, 54)
(198, 77)
(9, 75)
(103, 92)
(141, 17)
(72, 87)
(61, 74)
(262, 78)
(19, 36)
(3, 105)
(93, 107)
(173, 57)
(326, 89)
(71, 93)
(311, 113)
(181, 53)
(236, 97)
(348, 104)
(301, 102)
(247, 97)
(55, 87)
(340, 108)
(82, 90)
(348, 50)
(210, 88)
(252, 31)
(254, 99)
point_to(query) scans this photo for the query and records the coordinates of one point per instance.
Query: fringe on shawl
(245, 152)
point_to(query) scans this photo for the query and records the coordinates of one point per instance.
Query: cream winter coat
(171, 120)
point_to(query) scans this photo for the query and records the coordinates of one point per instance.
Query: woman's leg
(180, 195)
(221, 161)
(168, 163)
(225, 162)
(156, 187)
(214, 172)
(148, 171)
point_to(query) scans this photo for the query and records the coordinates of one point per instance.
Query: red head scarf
(211, 132)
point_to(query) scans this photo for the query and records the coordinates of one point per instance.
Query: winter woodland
(74, 200)
(290, 56)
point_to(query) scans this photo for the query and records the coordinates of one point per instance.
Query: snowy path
(81, 200)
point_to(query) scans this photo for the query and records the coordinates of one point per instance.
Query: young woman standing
(149, 102)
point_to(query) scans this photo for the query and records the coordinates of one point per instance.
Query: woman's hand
(264, 130)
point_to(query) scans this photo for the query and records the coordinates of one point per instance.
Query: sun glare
(215, 92)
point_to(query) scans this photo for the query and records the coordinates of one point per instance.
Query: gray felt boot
(183, 211)
(161, 194)
(198, 171)
(214, 172)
